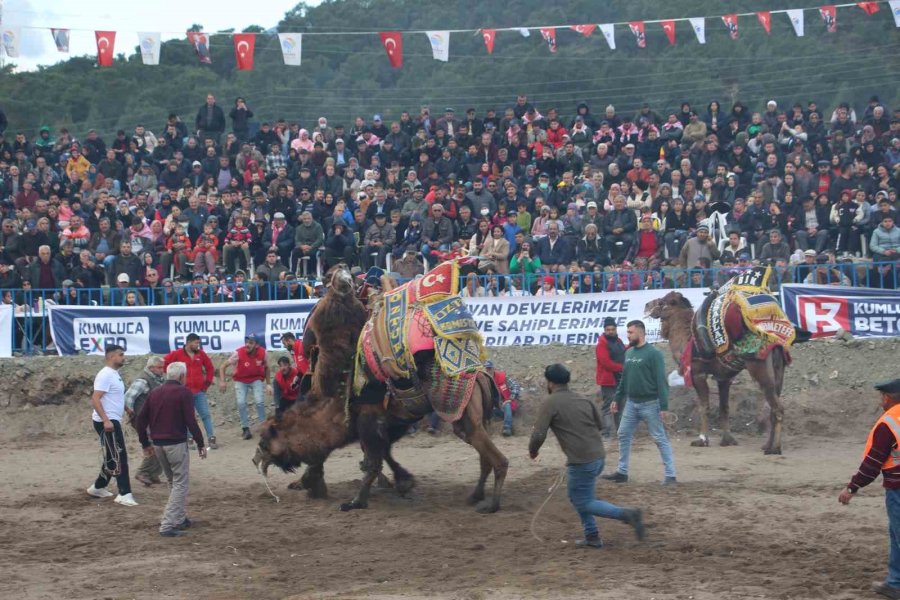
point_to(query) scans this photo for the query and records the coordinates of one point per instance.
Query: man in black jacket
(210, 120)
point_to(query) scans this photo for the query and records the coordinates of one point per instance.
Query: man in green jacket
(308, 238)
(575, 420)
(643, 395)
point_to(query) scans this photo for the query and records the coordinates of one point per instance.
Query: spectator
(45, 273)
(775, 249)
(210, 121)
(553, 251)
(885, 244)
(437, 232)
(379, 241)
(619, 227)
(339, 245)
(825, 274)
(701, 246)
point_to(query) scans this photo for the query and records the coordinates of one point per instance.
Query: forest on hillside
(345, 76)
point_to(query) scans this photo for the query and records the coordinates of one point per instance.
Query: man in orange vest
(284, 389)
(251, 373)
(295, 347)
(883, 456)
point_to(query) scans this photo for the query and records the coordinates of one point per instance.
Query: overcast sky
(170, 17)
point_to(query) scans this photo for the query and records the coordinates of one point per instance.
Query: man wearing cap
(701, 246)
(437, 231)
(251, 373)
(882, 456)
(576, 423)
(610, 355)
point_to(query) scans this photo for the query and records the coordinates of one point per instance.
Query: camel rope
(552, 489)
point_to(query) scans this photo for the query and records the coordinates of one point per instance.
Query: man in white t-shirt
(108, 400)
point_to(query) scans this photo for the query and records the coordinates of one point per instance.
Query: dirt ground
(739, 525)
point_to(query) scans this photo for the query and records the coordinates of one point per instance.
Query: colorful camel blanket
(448, 395)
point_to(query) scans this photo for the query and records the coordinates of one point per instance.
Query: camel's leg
(763, 372)
(404, 481)
(375, 446)
(724, 421)
(477, 494)
(471, 429)
(701, 386)
(313, 481)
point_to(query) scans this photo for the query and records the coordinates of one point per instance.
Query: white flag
(291, 48)
(150, 44)
(11, 38)
(895, 10)
(524, 31)
(698, 24)
(796, 17)
(440, 44)
(609, 35)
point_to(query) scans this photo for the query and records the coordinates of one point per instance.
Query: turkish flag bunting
(585, 30)
(829, 15)
(393, 45)
(669, 28)
(106, 42)
(870, 7)
(731, 23)
(549, 35)
(489, 36)
(244, 44)
(765, 19)
(637, 28)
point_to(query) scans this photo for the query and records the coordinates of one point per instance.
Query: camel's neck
(677, 329)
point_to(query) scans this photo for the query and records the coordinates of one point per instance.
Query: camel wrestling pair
(415, 349)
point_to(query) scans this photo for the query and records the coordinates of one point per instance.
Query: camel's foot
(296, 485)
(728, 440)
(405, 485)
(771, 449)
(475, 498)
(354, 504)
(701, 442)
(488, 507)
(383, 483)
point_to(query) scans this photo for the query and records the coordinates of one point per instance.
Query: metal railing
(31, 332)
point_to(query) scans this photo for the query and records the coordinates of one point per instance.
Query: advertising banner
(823, 309)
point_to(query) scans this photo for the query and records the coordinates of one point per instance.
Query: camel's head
(338, 280)
(662, 308)
(274, 446)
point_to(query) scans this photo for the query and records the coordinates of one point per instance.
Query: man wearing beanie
(610, 353)
(575, 421)
(701, 246)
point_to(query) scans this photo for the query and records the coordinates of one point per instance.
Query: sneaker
(591, 542)
(212, 443)
(126, 500)
(616, 477)
(246, 433)
(186, 524)
(886, 590)
(507, 431)
(99, 492)
(431, 430)
(635, 518)
(670, 481)
(143, 478)
(171, 533)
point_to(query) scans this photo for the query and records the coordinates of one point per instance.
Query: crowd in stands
(549, 201)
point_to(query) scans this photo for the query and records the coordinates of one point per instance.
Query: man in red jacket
(295, 347)
(251, 374)
(200, 375)
(610, 352)
(285, 388)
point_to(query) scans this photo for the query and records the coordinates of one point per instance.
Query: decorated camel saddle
(423, 315)
(741, 320)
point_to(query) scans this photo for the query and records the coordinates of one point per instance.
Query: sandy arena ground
(740, 524)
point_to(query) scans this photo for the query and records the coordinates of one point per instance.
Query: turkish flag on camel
(393, 45)
(106, 42)
(244, 44)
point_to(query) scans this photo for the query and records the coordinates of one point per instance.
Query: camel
(309, 432)
(676, 316)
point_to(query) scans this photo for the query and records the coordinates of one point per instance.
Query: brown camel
(676, 316)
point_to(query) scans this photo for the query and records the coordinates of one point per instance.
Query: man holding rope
(576, 423)
(108, 401)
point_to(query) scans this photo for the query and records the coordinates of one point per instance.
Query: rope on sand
(556, 483)
(266, 481)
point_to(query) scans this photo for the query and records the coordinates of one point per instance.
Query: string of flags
(291, 44)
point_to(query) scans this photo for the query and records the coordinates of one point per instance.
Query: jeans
(632, 415)
(582, 487)
(201, 405)
(426, 249)
(506, 412)
(892, 503)
(240, 390)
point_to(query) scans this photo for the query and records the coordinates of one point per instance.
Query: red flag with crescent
(549, 35)
(870, 7)
(765, 19)
(585, 30)
(489, 36)
(106, 43)
(731, 24)
(244, 45)
(393, 45)
(637, 28)
(829, 15)
(669, 29)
